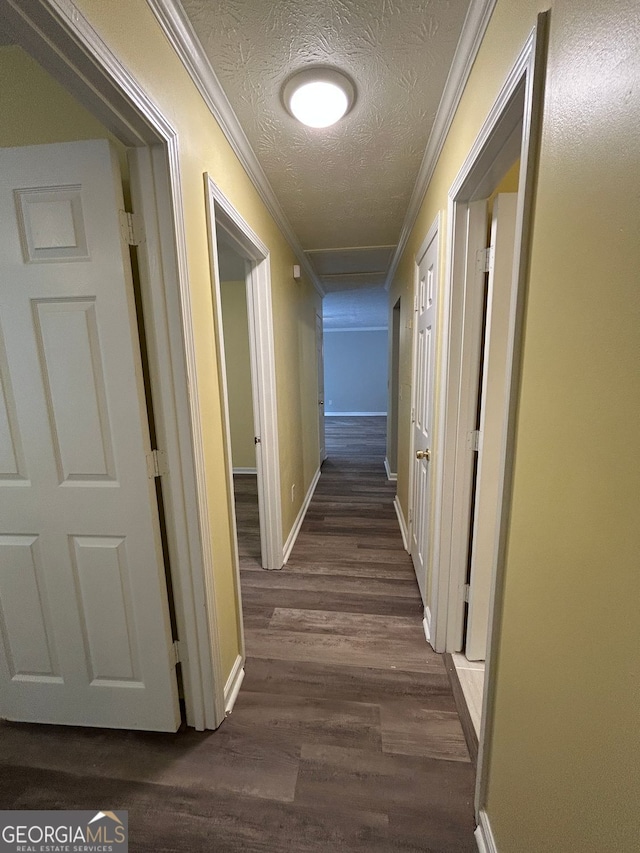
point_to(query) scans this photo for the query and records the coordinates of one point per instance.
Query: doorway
(494, 279)
(231, 238)
(322, 440)
(72, 54)
(235, 325)
(509, 133)
(391, 459)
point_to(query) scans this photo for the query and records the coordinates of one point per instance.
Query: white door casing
(425, 308)
(320, 364)
(493, 393)
(222, 214)
(84, 623)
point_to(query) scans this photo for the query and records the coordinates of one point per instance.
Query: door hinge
(156, 464)
(410, 516)
(413, 414)
(177, 652)
(131, 228)
(257, 440)
(484, 258)
(467, 592)
(474, 440)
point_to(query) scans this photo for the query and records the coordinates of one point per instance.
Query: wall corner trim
(473, 31)
(182, 37)
(483, 834)
(404, 530)
(390, 475)
(293, 535)
(234, 682)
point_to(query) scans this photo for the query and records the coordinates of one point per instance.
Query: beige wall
(233, 295)
(564, 753)
(36, 110)
(132, 33)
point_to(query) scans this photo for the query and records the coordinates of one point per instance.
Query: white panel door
(493, 412)
(84, 621)
(423, 404)
(320, 363)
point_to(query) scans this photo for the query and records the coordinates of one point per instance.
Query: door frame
(432, 234)
(391, 457)
(221, 214)
(322, 435)
(57, 34)
(511, 129)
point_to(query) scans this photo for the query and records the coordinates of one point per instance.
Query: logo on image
(64, 832)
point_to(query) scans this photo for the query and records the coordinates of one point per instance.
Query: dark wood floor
(344, 736)
(338, 664)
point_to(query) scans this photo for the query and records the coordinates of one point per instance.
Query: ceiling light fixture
(318, 97)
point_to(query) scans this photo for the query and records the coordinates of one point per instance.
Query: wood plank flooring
(345, 735)
(337, 659)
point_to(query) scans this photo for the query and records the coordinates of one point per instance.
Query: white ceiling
(348, 186)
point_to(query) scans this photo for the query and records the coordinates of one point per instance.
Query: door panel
(493, 397)
(425, 318)
(84, 623)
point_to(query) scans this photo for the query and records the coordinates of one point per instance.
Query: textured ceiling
(348, 185)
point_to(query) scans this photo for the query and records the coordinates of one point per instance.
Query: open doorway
(509, 134)
(494, 275)
(356, 359)
(147, 148)
(391, 459)
(235, 325)
(250, 413)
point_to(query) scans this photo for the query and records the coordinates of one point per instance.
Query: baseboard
(390, 475)
(466, 722)
(291, 539)
(484, 837)
(245, 471)
(355, 414)
(426, 624)
(404, 530)
(232, 687)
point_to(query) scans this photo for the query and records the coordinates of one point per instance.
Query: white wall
(355, 371)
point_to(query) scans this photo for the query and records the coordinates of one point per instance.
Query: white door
(423, 404)
(493, 412)
(320, 363)
(84, 622)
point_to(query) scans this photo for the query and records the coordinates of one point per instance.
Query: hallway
(339, 669)
(344, 736)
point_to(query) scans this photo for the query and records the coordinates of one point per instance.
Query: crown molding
(181, 35)
(473, 31)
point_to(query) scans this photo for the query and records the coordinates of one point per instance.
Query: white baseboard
(291, 539)
(404, 530)
(426, 624)
(232, 687)
(390, 474)
(245, 471)
(355, 414)
(484, 837)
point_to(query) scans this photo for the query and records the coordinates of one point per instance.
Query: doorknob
(423, 454)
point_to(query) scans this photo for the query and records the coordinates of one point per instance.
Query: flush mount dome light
(318, 97)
